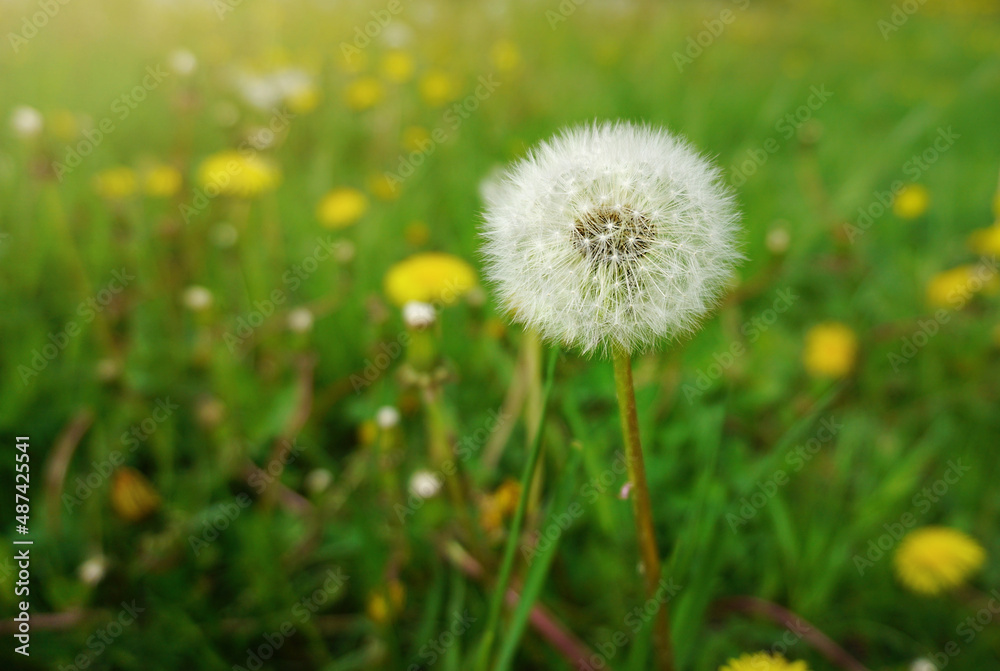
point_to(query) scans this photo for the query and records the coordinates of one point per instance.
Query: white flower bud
(182, 62)
(26, 122)
(417, 315)
(92, 571)
(424, 484)
(300, 320)
(387, 417)
(197, 298)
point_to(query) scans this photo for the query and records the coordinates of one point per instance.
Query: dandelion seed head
(611, 236)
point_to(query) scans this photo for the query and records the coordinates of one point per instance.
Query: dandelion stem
(642, 507)
(513, 537)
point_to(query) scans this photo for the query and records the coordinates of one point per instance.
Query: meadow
(243, 455)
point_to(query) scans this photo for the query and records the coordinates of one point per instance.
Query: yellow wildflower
(763, 661)
(341, 207)
(911, 201)
(830, 350)
(364, 93)
(304, 100)
(235, 174)
(985, 241)
(383, 605)
(501, 504)
(953, 288)
(161, 181)
(505, 56)
(132, 496)
(438, 88)
(367, 432)
(429, 277)
(932, 560)
(115, 183)
(397, 66)
(382, 186)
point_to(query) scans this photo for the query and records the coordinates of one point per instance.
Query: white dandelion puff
(611, 236)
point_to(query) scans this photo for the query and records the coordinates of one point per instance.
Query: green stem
(642, 506)
(513, 538)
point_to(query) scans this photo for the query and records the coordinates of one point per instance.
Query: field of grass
(225, 410)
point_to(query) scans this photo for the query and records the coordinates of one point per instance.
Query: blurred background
(243, 456)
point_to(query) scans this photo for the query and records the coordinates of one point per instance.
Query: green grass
(899, 429)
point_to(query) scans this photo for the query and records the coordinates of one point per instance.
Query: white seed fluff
(611, 236)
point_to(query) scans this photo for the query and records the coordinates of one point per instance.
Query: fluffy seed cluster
(610, 236)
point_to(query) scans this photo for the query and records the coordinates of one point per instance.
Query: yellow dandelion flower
(830, 350)
(384, 604)
(505, 56)
(438, 88)
(911, 201)
(364, 93)
(235, 174)
(303, 100)
(383, 187)
(985, 241)
(161, 181)
(367, 432)
(415, 138)
(132, 496)
(499, 505)
(429, 277)
(63, 125)
(341, 207)
(417, 233)
(397, 66)
(953, 288)
(763, 661)
(115, 183)
(932, 560)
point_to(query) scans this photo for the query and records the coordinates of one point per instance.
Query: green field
(199, 352)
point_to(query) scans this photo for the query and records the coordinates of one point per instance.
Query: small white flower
(300, 320)
(26, 122)
(92, 571)
(182, 62)
(418, 315)
(387, 417)
(611, 236)
(197, 298)
(923, 664)
(424, 484)
(317, 480)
